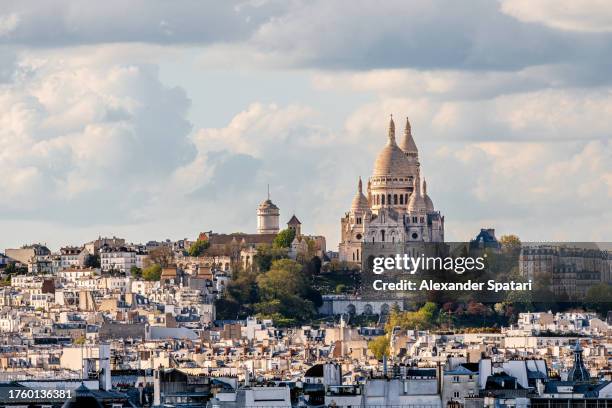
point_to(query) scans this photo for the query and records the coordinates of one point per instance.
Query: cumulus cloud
(72, 22)
(270, 144)
(77, 140)
(589, 16)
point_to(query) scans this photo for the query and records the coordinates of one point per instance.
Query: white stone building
(395, 207)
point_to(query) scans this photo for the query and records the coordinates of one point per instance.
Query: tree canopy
(379, 346)
(152, 273)
(284, 238)
(198, 248)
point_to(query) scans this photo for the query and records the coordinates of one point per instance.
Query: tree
(314, 266)
(266, 255)
(284, 238)
(284, 277)
(379, 346)
(285, 290)
(161, 255)
(423, 318)
(152, 273)
(92, 261)
(599, 298)
(199, 247)
(136, 272)
(510, 243)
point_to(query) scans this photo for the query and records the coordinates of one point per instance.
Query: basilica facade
(395, 206)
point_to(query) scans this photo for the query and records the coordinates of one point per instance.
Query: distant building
(486, 240)
(37, 257)
(572, 271)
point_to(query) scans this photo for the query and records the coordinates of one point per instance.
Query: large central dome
(392, 160)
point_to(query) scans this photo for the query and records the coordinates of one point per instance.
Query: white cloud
(71, 132)
(8, 23)
(589, 15)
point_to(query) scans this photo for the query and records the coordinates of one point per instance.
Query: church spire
(408, 145)
(360, 186)
(391, 131)
(424, 186)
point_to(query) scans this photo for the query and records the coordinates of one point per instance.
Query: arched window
(395, 199)
(406, 198)
(401, 199)
(389, 199)
(353, 256)
(383, 199)
(382, 235)
(357, 254)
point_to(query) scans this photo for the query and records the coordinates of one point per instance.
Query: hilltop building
(395, 206)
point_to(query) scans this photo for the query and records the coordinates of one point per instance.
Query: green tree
(266, 255)
(284, 238)
(379, 346)
(284, 277)
(152, 273)
(423, 318)
(136, 272)
(286, 291)
(199, 247)
(599, 298)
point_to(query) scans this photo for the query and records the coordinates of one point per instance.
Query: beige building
(395, 206)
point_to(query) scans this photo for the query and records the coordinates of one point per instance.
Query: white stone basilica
(396, 208)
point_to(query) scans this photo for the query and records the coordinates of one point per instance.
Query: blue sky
(155, 119)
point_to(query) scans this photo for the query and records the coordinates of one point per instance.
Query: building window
(395, 199)
(383, 199)
(389, 199)
(401, 199)
(382, 235)
(456, 394)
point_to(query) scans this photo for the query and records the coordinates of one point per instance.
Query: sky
(153, 119)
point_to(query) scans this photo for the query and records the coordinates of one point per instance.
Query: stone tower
(267, 217)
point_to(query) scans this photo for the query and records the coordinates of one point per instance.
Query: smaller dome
(360, 202)
(268, 205)
(416, 202)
